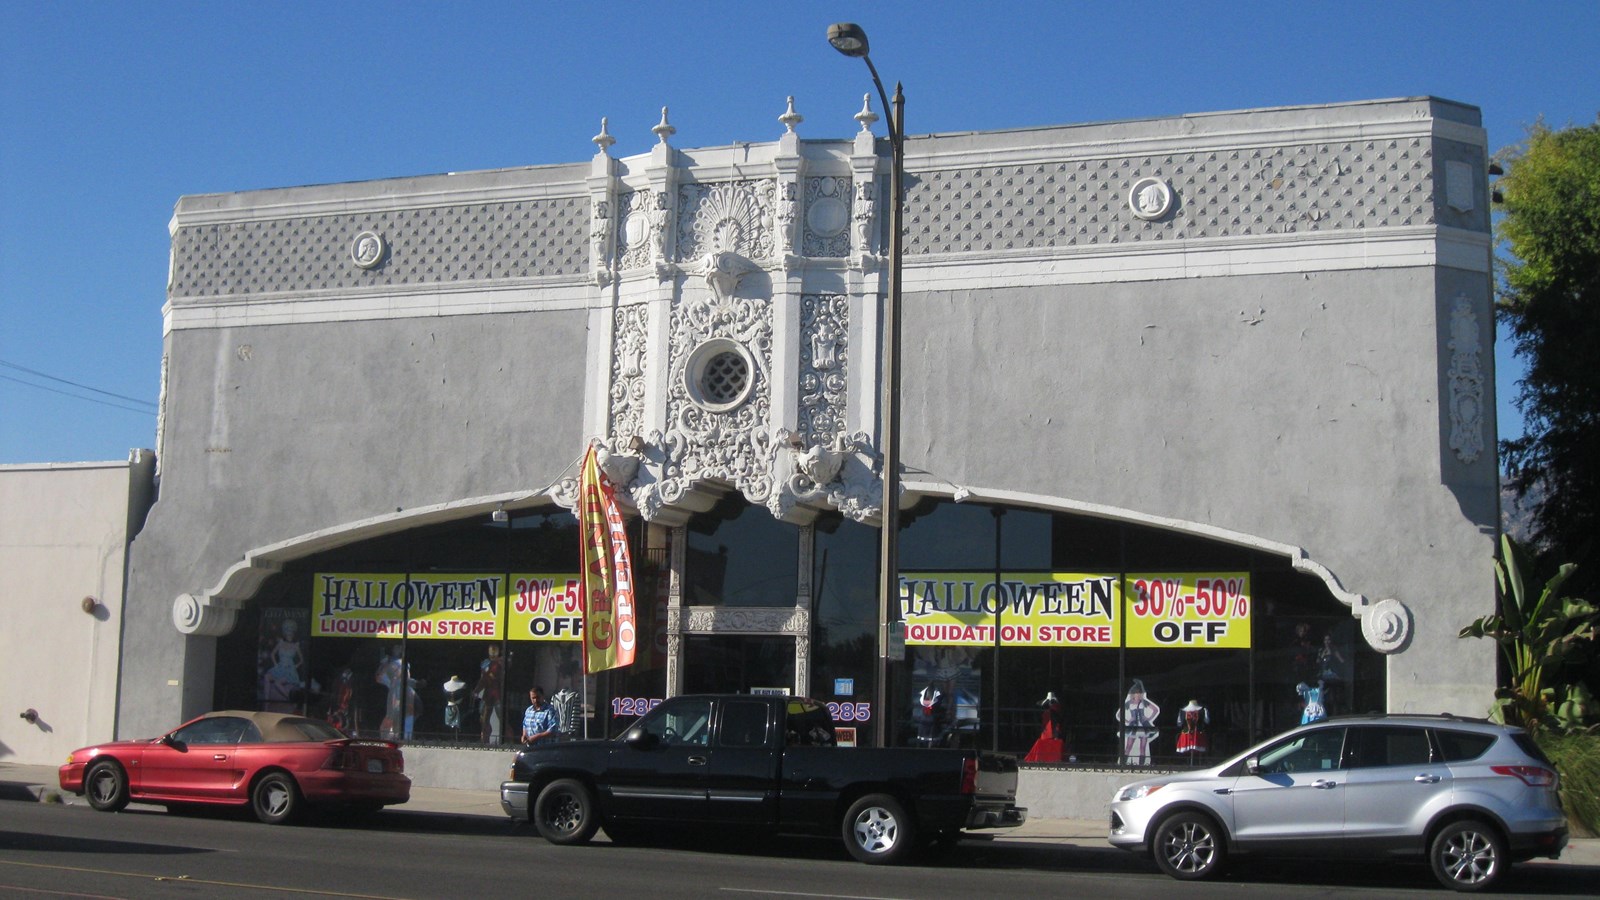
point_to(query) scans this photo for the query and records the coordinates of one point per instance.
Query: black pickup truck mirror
(639, 739)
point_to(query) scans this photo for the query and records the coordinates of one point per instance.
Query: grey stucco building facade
(1268, 332)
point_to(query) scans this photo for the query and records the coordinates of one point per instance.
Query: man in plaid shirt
(540, 722)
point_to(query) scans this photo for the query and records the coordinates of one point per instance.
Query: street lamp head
(848, 38)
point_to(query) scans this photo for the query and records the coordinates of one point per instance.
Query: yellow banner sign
(1208, 610)
(1034, 610)
(419, 606)
(546, 608)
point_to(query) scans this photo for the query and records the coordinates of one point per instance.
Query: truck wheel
(877, 830)
(1189, 847)
(1468, 856)
(276, 799)
(106, 786)
(565, 813)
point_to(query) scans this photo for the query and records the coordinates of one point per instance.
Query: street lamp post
(849, 38)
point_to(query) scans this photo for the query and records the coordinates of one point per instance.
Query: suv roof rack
(1449, 717)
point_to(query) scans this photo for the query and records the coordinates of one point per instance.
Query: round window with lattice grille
(720, 374)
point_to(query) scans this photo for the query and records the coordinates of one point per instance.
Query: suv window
(1529, 746)
(1461, 746)
(1312, 751)
(1371, 746)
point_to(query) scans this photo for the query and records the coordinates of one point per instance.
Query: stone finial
(603, 140)
(866, 117)
(664, 130)
(790, 118)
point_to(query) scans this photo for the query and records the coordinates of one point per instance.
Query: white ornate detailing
(1150, 198)
(1466, 382)
(866, 117)
(628, 363)
(720, 375)
(733, 216)
(664, 129)
(193, 616)
(788, 201)
(604, 140)
(1386, 625)
(864, 244)
(746, 620)
(1458, 186)
(718, 404)
(635, 210)
(619, 467)
(820, 465)
(827, 217)
(368, 250)
(723, 271)
(600, 238)
(790, 118)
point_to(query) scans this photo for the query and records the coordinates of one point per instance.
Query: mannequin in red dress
(1050, 745)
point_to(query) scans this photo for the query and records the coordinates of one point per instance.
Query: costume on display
(1314, 711)
(1138, 717)
(454, 696)
(391, 674)
(487, 692)
(1050, 745)
(1192, 723)
(931, 709)
(342, 712)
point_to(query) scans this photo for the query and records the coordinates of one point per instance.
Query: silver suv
(1471, 795)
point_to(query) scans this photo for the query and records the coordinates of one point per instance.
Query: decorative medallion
(368, 250)
(1387, 626)
(827, 216)
(1150, 198)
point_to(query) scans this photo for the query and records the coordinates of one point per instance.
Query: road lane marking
(188, 879)
(772, 893)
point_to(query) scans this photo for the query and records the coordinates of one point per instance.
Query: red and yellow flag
(610, 634)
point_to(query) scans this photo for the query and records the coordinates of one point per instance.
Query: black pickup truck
(759, 763)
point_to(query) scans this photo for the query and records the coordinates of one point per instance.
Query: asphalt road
(71, 851)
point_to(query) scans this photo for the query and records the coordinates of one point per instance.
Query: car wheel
(1189, 846)
(276, 799)
(877, 830)
(564, 813)
(1468, 855)
(106, 786)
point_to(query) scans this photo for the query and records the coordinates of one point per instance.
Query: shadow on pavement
(53, 843)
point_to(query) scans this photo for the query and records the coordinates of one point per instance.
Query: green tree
(1549, 297)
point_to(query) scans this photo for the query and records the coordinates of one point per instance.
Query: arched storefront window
(1115, 643)
(434, 635)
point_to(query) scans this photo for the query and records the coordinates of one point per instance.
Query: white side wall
(64, 532)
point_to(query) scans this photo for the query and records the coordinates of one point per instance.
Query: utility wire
(146, 412)
(83, 387)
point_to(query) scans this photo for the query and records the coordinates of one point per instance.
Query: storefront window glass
(844, 635)
(739, 555)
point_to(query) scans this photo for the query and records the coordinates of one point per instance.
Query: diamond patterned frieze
(1240, 192)
(446, 244)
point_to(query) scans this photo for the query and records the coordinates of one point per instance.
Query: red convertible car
(276, 763)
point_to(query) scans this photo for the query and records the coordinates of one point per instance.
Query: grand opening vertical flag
(610, 634)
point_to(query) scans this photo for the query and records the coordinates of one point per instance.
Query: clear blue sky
(109, 111)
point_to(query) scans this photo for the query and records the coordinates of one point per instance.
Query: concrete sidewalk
(35, 783)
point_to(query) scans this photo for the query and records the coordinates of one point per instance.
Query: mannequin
(491, 678)
(1193, 720)
(1048, 747)
(1138, 716)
